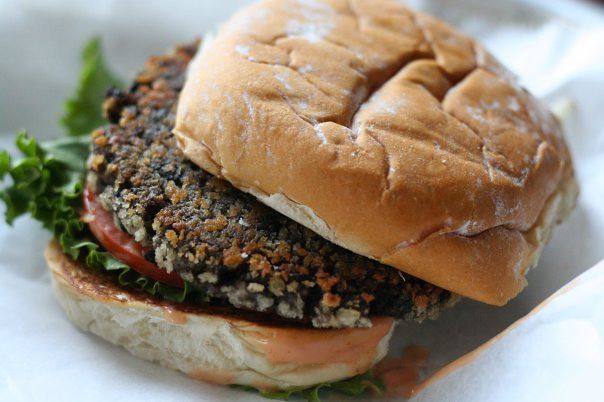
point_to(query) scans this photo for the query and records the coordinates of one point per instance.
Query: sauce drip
(175, 316)
(320, 346)
(401, 375)
(212, 376)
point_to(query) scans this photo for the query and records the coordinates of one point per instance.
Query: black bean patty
(223, 240)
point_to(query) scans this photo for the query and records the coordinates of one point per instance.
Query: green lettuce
(354, 386)
(47, 184)
(48, 180)
(82, 111)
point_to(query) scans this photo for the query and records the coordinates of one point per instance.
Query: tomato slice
(120, 244)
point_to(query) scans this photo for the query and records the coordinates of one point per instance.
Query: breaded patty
(223, 240)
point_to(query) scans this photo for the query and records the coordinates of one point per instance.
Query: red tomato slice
(120, 244)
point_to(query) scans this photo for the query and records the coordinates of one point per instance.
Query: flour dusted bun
(214, 344)
(387, 132)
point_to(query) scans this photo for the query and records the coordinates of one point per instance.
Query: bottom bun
(214, 344)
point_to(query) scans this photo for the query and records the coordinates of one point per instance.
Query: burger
(263, 207)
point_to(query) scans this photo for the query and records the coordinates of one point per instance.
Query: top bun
(385, 131)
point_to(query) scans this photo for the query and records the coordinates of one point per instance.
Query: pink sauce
(321, 346)
(175, 316)
(211, 376)
(401, 375)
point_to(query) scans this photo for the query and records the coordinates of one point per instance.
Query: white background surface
(557, 49)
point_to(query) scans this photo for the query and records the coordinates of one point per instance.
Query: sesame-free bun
(219, 345)
(385, 131)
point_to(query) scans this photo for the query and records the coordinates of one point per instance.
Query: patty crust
(222, 240)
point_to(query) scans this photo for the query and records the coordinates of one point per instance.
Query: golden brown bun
(217, 345)
(387, 132)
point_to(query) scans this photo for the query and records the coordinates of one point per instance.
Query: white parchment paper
(557, 49)
(556, 353)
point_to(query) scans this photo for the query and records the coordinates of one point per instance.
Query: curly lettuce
(48, 180)
(354, 386)
(82, 111)
(47, 184)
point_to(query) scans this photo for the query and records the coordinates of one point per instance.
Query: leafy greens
(47, 182)
(82, 111)
(354, 386)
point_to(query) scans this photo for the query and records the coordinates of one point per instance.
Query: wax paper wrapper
(557, 50)
(556, 353)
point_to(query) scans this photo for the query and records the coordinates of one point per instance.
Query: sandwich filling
(221, 240)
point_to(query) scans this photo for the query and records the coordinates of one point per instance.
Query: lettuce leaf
(47, 182)
(82, 111)
(354, 386)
